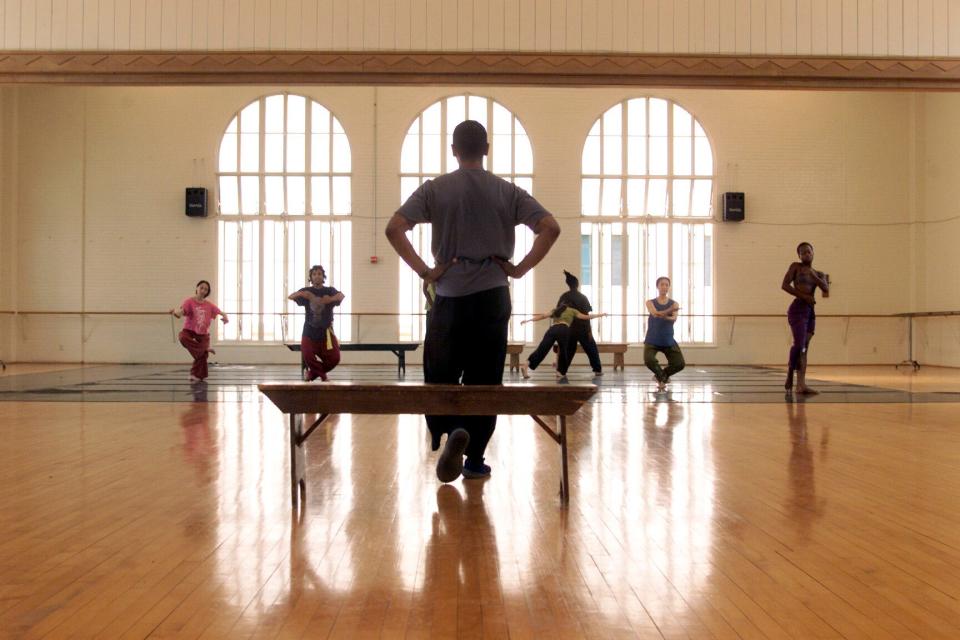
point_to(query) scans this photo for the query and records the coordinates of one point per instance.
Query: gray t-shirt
(473, 214)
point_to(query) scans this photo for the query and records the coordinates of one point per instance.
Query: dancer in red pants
(198, 313)
(318, 346)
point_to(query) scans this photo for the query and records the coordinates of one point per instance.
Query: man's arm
(547, 231)
(397, 236)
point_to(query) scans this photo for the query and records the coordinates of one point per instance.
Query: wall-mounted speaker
(733, 206)
(197, 202)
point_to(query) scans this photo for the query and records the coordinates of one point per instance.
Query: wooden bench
(398, 349)
(514, 349)
(301, 398)
(616, 348)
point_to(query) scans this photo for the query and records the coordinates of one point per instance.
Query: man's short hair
(470, 140)
(802, 245)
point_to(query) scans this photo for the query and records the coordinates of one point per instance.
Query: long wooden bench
(616, 348)
(301, 398)
(514, 349)
(398, 349)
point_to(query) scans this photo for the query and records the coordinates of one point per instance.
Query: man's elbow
(549, 228)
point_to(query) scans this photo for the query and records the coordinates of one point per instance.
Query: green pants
(675, 361)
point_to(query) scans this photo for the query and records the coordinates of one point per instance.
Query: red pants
(199, 346)
(320, 357)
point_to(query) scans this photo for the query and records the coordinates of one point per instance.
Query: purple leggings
(803, 322)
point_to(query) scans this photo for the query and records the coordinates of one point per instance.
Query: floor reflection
(803, 505)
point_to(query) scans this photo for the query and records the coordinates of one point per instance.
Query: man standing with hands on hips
(473, 214)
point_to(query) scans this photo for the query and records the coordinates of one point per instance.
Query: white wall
(937, 340)
(904, 28)
(99, 224)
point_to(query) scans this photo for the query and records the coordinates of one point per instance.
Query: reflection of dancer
(659, 338)
(198, 313)
(802, 504)
(318, 345)
(580, 330)
(559, 333)
(801, 281)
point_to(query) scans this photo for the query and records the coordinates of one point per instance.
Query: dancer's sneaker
(450, 463)
(473, 470)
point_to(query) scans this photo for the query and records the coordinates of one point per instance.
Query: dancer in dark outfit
(580, 330)
(559, 333)
(659, 338)
(801, 281)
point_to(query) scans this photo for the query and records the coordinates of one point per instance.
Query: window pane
(590, 198)
(341, 195)
(228, 153)
(228, 195)
(296, 196)
(410, 154)
(703, 157)
(612, 154)
(250, 118)
(432, 148)
(296, 114)
(637, 155)
(610, 202)
(273, 116)
(431, 119)
(341, 153)
(272, 278)
(320, 195)
(524, 183)
(701, 198)
(637, 117)
(319, 118)
(682, 122)
(320, 153)
(273, 198)
(273, 152)
(524, 155)
(681, 198)
(658, 156)
(501, 152)
(591, 156)
(250, 289)
(636, 192)
(658, 117)
(477, 110)
(296, 152)
(682, 150)
(502, 120)
(456, 112)
(250, 195)
(249, 152)
(657, 198)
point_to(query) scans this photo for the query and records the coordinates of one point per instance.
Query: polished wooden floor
(687, 520)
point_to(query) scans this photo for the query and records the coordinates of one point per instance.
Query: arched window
(647, 189)
(284, 192)
(426, 154)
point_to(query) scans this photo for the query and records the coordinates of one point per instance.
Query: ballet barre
(299, 399)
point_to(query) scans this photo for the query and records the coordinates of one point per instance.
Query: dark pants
(675, 361)
(581, 332)
(198, 344)
(319, 357)
(803, 322)
(466, 343)
(559, 334)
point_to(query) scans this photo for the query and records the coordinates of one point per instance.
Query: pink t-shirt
(197, 316)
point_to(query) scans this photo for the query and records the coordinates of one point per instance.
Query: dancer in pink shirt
(198, 313)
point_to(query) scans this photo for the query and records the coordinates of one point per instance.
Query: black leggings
(560, 334)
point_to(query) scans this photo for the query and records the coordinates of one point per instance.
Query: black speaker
(733, 206)
(196, 202)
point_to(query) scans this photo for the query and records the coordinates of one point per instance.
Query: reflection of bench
(300, 398)
(514, 349)
(616, 348)
(398, 349)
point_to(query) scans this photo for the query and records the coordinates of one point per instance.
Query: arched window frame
(641, 218)
(416, 167)
(275, 220)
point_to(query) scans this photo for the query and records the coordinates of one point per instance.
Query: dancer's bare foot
(807, 391)
(788, 385)
(524, 371)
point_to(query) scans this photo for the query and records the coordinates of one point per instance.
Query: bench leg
(564, 478)
(618, 361)
(298, 467)
(514, 362)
